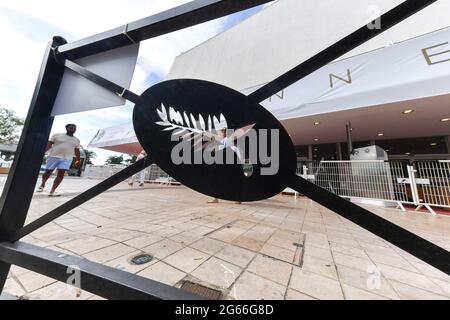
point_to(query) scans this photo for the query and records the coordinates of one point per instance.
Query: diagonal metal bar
(355, 39)
(82, 198)
(96, 278)
(408, 241)
(181, 17)
(105, 83)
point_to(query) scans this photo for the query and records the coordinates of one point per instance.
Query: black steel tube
(105, 83)
(19, 187)
(95, 278)
(181, 17)
(402, 238)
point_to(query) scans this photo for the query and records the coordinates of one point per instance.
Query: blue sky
(27, 25)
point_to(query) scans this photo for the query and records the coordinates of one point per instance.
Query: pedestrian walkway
(279, 248)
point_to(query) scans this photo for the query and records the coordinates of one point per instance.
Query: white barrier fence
(102, 172)
(424, 183)
(433, 183)
(375, 180)
(152, 174)
(5, 165)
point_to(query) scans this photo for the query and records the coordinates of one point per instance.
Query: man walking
(226, 142)
(141, 174)
(62, 147)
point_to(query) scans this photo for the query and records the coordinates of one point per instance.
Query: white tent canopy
(414, 69)
(119, 138)
(405, 71)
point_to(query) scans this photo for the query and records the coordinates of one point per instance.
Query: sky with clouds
(26, 26)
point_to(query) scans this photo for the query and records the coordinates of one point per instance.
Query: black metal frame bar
(105, 83)
(425, 250)
(96, 278)
(19, 188)
(181, 17)
(39, 124)
(402, 238)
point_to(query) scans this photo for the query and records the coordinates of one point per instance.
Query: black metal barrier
(115, 284)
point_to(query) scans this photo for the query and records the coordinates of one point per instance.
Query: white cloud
(87, 17)
(27, 38)
(19, 64)
(20, 60)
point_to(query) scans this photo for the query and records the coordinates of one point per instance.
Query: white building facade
(393, 89)
(289, 32)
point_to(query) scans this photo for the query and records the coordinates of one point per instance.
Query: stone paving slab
(247, 251)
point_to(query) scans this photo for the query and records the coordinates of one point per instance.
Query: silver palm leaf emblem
(187, 127)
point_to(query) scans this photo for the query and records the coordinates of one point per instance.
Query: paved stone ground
(247, 251)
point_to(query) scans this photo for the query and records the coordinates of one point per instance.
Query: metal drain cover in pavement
(300, 250)
(141, 259)
(200, 290)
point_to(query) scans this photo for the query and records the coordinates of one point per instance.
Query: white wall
(291, 31)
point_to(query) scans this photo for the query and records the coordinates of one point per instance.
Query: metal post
(339, 151)
(447, 143)
(349, 129)
(412, 183)
(310, 152)
(19, 187)
(174, 19)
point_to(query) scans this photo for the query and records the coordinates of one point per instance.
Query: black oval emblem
(214, 140)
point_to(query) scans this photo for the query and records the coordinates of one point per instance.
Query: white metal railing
(424, 183)
(92, 171)
(155, 173)
(152, 173)
(433, 183)
(5, 165)
(374, 180)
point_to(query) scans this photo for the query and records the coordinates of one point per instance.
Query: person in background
(62, 146)
(225, 142)
(141, 174)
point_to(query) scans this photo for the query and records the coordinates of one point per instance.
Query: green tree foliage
(131, 160)
(90, 155)
(115, 160)
(10, 126)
